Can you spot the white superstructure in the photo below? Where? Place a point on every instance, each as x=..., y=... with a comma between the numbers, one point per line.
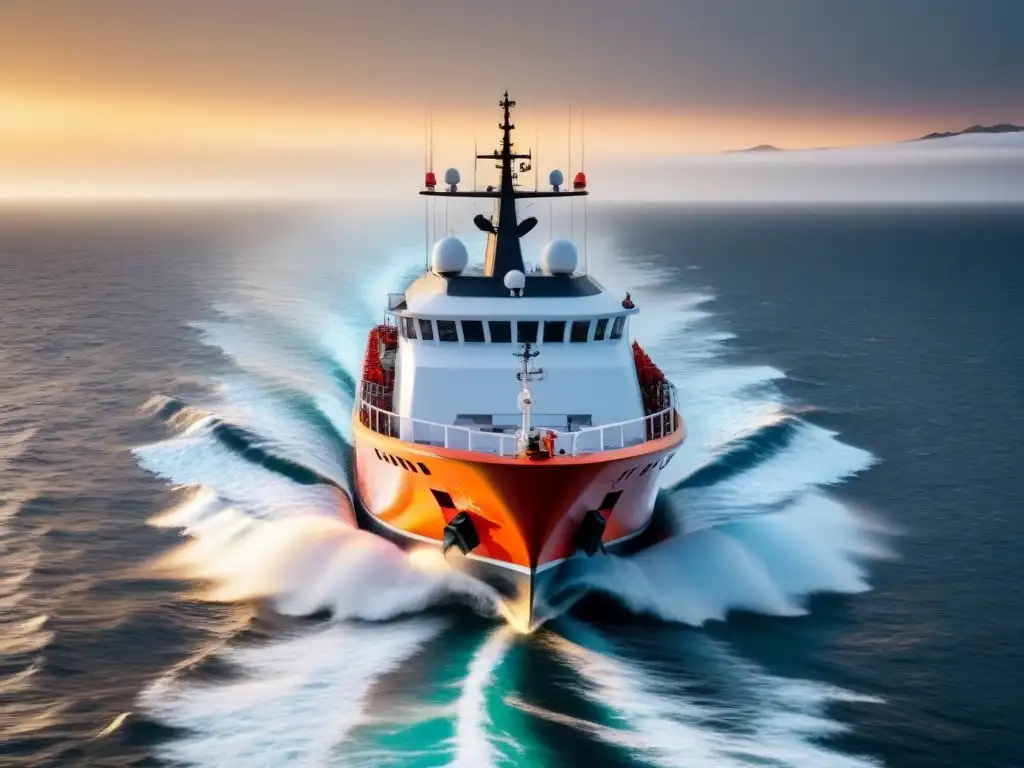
x=455, y=362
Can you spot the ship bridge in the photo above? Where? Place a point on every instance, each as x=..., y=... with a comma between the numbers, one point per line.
x=450, y=350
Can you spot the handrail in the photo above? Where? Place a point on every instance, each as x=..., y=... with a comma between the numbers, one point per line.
x=605, y=437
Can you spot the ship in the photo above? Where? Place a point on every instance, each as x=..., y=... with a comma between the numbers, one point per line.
x=504, y=416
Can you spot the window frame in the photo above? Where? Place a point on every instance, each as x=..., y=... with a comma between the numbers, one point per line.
x=465, y=336
x=601, y=329
x=454, y=328
x=490, y=331
x=618, y=328
x=536, y=331
x=550, y=323
x=428, y=324
x=409, y=324
x=586, y=331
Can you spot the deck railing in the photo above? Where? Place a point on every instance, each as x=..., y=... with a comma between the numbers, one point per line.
x=606, y=437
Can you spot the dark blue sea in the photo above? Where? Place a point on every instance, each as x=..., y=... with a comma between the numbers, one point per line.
x=845, y=587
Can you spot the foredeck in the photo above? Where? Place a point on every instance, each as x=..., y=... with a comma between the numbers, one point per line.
x=604, y=437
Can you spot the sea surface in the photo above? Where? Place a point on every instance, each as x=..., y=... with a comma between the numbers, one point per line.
x=177, y=588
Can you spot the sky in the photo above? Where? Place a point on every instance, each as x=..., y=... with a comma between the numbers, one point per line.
x=266, y=97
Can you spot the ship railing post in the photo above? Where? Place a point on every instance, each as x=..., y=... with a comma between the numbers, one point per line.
x=602, y=438
x=446, y=436
x=622, y=436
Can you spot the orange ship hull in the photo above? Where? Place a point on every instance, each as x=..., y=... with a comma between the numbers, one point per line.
x=526, y=512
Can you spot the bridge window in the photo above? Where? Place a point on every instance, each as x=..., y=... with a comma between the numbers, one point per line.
x=620, y=323
x=526, y=331
x=408, y=328
x=554, y=330
x=501, y=331
x=580, y=331
x=599, y=329
x=446, y=330
x=473, y=331
x=426, y=330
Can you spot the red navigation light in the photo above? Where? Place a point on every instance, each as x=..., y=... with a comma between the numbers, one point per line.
x=580, y=182
x=431, y=180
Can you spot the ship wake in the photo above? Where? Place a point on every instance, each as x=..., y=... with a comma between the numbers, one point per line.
x=263, y=458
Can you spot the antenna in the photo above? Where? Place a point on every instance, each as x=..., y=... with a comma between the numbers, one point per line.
x=536, y=158
x=426, y=208
x=430, y=156
x=568, y=170
x=475, y=159
x=583, y=168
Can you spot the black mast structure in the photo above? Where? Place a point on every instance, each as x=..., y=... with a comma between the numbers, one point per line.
x=504, y=252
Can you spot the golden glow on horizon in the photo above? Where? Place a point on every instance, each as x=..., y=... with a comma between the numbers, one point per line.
x=38, y=120
x=108, y=148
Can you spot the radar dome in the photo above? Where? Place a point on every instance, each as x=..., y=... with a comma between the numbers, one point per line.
x=450, y=256
x=451, y=177
x=559, y=258
x=555, y=178
x=515, y=280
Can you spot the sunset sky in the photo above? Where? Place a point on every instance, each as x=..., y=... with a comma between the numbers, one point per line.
x=256, y=97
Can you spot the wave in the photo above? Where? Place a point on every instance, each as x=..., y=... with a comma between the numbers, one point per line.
x=26, y=630
x=294, y=702
x=769, y=564
x=753, y=718
x=743, y=452
x=265, y=467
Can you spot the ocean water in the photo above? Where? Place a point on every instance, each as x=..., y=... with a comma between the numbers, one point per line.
x=178, y=586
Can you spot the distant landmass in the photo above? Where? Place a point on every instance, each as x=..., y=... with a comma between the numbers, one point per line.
x=974, y=129
x=758, y=148
x=1001, y=128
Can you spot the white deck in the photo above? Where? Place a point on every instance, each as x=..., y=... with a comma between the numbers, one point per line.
x=606, y=437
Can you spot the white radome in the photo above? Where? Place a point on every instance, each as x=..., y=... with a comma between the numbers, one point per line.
x=515, y=280
x=451, y=177
x=449, y=256
x=555, y=178
x=559, y=257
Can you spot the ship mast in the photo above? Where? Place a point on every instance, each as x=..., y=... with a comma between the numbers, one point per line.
x=526, y=375
x=504, y=252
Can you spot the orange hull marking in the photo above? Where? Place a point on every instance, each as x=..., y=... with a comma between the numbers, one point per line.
x=525, y=511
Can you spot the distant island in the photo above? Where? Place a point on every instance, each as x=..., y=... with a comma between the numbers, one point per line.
x=758, y=148
x=1001, y=128
x=974, y=129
